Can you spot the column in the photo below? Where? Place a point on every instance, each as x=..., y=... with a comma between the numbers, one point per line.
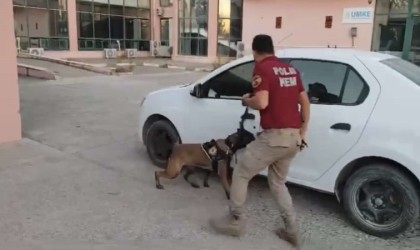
x=155, y=20
x=175, y=28
x=72, y=22
x=10, y=122
x=212, y=28
x=408, y=36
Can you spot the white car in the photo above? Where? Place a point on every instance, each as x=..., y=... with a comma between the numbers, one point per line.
x=364, y=133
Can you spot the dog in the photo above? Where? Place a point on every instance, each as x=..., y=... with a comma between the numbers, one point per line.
x=194, y=155
x=213, y=156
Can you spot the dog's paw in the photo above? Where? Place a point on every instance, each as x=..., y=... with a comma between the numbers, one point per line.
x=194, y=185
x=159, y=186
x=206, y=185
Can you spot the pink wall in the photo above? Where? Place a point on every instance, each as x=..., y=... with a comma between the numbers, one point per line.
x=10, y=123
x=72, y=22
x=304, y=21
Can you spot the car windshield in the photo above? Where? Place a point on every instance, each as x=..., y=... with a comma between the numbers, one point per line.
x=405, y=68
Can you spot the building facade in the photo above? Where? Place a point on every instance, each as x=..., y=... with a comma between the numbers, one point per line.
x=203, y=30
x=197, y=30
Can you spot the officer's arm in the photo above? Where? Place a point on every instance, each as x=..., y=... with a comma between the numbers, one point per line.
x=305, y=104
x=260, y=99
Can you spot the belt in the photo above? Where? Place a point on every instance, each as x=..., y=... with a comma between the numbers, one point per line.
x=278, y=129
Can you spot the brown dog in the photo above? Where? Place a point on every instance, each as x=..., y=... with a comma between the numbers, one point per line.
x=193, y=155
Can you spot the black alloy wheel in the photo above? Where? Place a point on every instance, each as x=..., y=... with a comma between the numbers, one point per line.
x=381, y=200
x=161, y=136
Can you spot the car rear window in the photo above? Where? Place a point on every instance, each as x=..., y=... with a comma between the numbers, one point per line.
x=405, y=68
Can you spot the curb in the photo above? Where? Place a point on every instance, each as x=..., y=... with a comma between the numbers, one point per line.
x=97, y=68
x=36, y=72
x=156, y=65
x=177, y=67
x=171, y=66
x=74, y=64
x=203, y=69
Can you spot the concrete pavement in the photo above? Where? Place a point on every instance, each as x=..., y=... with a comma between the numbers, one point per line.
x=80, y=182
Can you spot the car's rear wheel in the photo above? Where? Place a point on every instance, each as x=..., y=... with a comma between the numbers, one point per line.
x=381, y=200
x=161, y=136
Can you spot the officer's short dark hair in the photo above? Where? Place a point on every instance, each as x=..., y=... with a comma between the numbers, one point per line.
x=263, y=44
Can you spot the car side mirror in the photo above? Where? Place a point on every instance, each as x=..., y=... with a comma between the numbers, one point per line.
x=196, y=91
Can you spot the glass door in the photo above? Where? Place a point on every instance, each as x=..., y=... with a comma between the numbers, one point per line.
x=165, y=31
x=414, y=54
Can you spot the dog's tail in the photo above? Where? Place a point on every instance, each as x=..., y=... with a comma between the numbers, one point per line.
x=171, y=149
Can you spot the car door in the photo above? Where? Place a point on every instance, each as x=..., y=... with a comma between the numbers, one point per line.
x=218, y=112
x=341, y=103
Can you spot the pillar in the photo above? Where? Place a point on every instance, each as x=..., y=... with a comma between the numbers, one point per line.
x=10, y=121
x=72, y=23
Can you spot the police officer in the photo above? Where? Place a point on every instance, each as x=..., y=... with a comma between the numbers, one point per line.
x=278, y=91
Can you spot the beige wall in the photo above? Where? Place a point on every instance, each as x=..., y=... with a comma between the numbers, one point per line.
x=10, y=124
x=303, y=23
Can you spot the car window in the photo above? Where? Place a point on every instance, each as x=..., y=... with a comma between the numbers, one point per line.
x=355, y=89
x=234, y=82
x=331, y=82
x=405, y=68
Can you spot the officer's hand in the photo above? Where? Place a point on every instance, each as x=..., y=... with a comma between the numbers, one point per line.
x=244, y=98
x=303, y=143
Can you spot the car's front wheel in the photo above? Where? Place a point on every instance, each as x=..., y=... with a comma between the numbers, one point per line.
x=160, y=138
x=381, y=200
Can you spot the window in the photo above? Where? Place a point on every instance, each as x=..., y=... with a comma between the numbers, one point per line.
x=37, y=3
x=389, y=24
x=396, y=6
x=166, y=3
x=193, y=22
x=113, y=24
x=405, y=68
x=19, y=2
x=353, y=88
x=232, y=83
x=229, y=27
x=41, y=24
x=331, y=82
x=164, y=31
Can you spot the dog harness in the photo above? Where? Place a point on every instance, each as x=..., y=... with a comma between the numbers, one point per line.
x=243, y=138
x=215, y=153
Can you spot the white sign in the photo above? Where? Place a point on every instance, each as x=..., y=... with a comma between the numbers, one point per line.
x=358, y=15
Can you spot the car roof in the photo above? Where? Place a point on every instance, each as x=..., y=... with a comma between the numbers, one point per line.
x=328, y=53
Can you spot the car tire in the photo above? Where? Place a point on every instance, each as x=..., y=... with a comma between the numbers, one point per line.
x=368, y=205
x=160, y=138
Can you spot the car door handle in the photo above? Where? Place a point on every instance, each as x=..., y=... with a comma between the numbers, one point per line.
x=341, y=126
